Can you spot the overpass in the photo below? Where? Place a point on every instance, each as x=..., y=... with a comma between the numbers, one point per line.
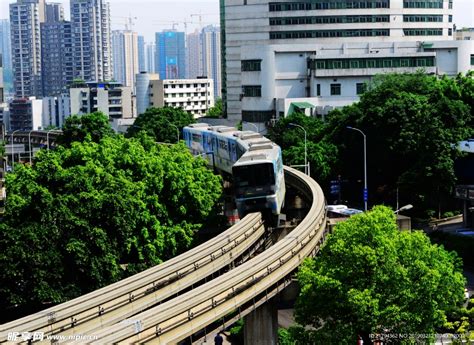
x=172, y=301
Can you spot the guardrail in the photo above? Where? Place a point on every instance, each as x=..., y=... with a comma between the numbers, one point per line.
x=134, y=294
x=177, y=319
x=36, y=137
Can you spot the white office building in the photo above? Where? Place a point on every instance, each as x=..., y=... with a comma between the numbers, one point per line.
x=317, y=55
x=195, y=96
x=112, y=99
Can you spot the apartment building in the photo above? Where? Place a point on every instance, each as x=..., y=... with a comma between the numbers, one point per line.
x=25, y=19
x=125, y=56
x=91, y=38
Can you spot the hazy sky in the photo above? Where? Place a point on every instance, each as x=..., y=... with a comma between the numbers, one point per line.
x=156, y=15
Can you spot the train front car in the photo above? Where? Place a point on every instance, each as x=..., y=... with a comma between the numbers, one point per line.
x=259, y=180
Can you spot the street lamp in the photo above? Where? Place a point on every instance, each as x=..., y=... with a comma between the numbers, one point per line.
x=306, y=167
x=29, y=144
x=13, y=147
x=47, y=137
x=366, y=193
x=404, y=208
x=252, y=124
x=177, y=129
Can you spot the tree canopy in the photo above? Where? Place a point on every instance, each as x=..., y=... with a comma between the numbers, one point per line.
x=87, y=215
x=321, y=153
x=94, y=126
x=217, y=110
x=371, y=278
x=162, y=124
x=413, y=123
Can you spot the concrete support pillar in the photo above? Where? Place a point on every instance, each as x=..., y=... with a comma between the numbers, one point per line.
x=261, y=326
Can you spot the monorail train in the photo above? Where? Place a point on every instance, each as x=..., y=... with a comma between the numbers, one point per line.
x=254, y=162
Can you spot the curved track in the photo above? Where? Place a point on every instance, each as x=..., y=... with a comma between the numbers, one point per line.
x=116, y=313
x=134, y=294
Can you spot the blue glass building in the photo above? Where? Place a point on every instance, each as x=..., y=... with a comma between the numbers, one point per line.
x=171, y=54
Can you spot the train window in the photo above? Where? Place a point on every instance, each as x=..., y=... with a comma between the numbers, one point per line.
x=196, y=138
x=255, y=175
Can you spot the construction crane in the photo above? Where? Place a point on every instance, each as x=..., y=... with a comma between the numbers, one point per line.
x=129, y=23
x=199, y=15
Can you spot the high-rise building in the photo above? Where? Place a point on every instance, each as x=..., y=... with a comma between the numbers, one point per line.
x=56, y=51
x=141, y=54
x=125, y=56
x=171, y=54
x=25, y=19
x=91, y=37
x=194, y=67
x=6, y=52
x=2, y=92
x=53, y=12
x=327, y=50
x=150, y=58
x=211, y=56
x=204, y=56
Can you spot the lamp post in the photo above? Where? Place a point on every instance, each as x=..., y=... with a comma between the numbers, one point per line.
x=404, y=208
x=177, y=129
x=252, y=124
x=47, y=137
x=13, y=147
x=306, y=167
x=29, y=144
x=366, y=193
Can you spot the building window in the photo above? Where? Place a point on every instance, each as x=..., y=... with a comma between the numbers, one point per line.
x=423, y=3
x=329, y=33
x=423, y=32
x=396, y=62
x=361, y=88
x=257, y=115
x=335, y=89
x=327, y=5
x=318, y=89
x=252, y=90
x=472, y=60
x=450, y=32
x=423, y=18
x=251, y=65
x=450, y=18
x=329, y=20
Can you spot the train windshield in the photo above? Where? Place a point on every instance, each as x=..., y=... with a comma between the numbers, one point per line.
x=254, y=178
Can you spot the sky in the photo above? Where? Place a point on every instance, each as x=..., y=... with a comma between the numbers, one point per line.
x=151, y=15
x=155, y=15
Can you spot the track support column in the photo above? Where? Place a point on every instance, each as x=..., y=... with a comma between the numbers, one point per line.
x=261, y=325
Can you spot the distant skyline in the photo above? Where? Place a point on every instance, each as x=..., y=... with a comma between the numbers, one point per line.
x=157, y=15
x=152, y=15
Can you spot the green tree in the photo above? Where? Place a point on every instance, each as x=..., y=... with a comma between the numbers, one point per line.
x=79, y=127
x=161, y=123
x=371, y=278
x=411, y=122
x=321, y=153
x=85, y=216
x=217, y=110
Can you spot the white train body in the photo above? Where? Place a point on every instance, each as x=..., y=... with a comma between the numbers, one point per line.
x=254, y=162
